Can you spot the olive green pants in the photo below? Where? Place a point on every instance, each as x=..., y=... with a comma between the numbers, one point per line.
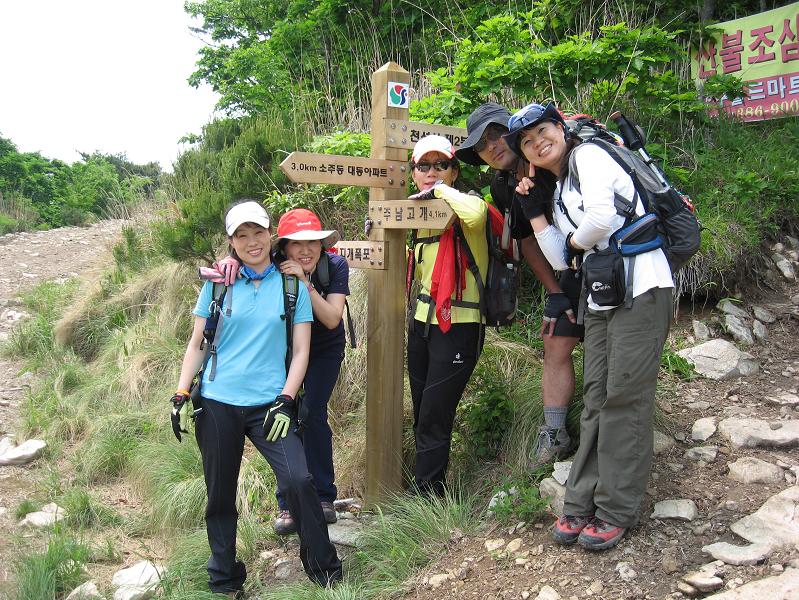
x=622, y=357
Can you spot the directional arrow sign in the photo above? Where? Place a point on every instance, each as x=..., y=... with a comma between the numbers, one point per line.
x=335, y=169
x=405, y=134
x=363, y=255
x=411, y=214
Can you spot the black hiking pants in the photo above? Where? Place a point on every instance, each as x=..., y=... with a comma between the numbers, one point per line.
x=439, y=367
x=220, y=431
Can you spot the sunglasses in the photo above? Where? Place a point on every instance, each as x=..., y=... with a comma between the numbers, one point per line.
x=439, y=165
x=520, y=120
x=490, y=135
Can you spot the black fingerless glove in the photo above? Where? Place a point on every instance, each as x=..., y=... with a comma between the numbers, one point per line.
x=180, y=414
x=574, y=256
x=536, y=203
x=556, y=304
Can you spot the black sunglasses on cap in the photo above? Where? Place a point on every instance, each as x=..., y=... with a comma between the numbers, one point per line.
x=439, y=165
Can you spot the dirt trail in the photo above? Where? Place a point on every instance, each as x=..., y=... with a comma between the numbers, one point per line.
x=651, y=561
x=28, y=259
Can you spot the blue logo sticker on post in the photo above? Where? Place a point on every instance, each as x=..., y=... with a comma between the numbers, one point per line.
x=398, y=94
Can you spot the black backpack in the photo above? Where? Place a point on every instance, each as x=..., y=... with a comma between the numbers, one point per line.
x=323, y=275
x=670, y=221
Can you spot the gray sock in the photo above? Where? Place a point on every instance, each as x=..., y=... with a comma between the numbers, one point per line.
x=555, y=417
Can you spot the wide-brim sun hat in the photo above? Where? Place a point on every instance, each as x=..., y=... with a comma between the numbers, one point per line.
x=246, y=212
x=528, y=116
x=432, y=143
x=303, y=224
x=484, y=115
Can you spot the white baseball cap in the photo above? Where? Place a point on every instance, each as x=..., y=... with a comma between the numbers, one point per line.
x=433, y=143
x=246, y=212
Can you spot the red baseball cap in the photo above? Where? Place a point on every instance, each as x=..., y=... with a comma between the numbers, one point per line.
x=303, y=224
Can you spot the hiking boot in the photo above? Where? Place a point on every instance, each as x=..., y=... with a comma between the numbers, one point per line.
x=568, y=528
x=553, y=444
x=284, y=524
x=330, y=512
x=599, y=535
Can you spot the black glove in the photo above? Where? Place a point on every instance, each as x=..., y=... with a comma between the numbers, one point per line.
x=278, y=418
x=574, y=256
x=556, y=304
x=533, y=204
x=180, y=414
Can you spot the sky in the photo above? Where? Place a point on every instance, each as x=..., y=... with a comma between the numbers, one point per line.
x=99, y=75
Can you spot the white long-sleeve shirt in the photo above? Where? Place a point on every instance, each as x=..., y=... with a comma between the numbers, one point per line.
x=593, y=212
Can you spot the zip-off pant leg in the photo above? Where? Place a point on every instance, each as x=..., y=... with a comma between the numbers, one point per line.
x=622, y=358
x=317, y=438
x=438, y=369
x=287, y=459
x=219, y=430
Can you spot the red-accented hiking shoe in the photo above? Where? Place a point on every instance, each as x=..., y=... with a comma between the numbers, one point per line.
x=600, y=535
x=284, y=524
x=567, y=529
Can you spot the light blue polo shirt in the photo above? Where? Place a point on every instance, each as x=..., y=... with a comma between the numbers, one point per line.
x=251, y=350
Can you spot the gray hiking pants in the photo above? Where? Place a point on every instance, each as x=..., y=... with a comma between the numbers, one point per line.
x=622, y=357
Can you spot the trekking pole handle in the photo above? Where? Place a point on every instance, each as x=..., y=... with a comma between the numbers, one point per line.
x=634, y=142
x=627, y=130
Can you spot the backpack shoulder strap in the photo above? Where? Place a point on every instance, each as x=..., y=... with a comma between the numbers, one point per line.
x=213, y=324
x=624, y=207
x=323, y=272
x=290, y=291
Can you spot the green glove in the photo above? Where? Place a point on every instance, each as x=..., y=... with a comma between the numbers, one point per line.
x=180, y=414
x=278, y=418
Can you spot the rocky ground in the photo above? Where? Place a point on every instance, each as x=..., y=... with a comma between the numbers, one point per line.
x=28, y=259
x=721, y=514
x=729, y=449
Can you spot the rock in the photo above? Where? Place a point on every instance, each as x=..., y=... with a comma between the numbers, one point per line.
x=684, y=510
x=494, y=544
x=87, y=591
x=26, y=452
x=596, y=587
x=556, y=492
x=547, y=593
x=705, y=453
x=698, y=405
x=284, y=569
x=703, y=429
x=776, y=523
x=751, y=433
x=626, y=572
x=47, y=516
x=561, y=471
x=670, y=563
x=764, y=315
x=686, y=589
x=738, y=555
x=782, y=587
x=783, y=264
x=436, y=580
x=784, y=399
x=738, y=330
x=759, y=331
x=704, y=582
x=701, y=331
x=792, y=242
x=137, y=582
x=345, y=532
x=720, y=359
x=662, y=442
x=513, y=546
x=6, y=443
x=753, y=470
x=728, y=307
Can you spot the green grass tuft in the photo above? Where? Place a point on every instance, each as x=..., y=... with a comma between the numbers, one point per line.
x=54, y=572
x=84, y=511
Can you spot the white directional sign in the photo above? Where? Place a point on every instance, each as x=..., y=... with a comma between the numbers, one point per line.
x=337, y=169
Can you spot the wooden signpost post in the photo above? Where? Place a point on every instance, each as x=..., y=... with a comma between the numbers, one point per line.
x=386, y=173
